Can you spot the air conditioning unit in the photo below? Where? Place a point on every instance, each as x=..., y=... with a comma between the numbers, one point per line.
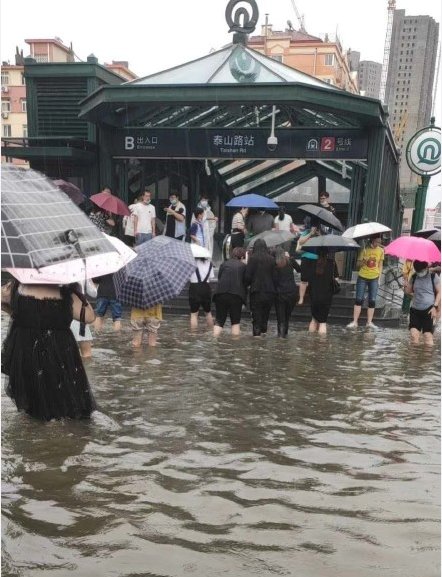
x=5, y=114
x=5, y=89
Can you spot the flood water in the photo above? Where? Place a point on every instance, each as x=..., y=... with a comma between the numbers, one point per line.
x=252, y=457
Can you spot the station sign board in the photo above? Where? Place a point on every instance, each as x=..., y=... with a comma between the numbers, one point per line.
x=323, y=144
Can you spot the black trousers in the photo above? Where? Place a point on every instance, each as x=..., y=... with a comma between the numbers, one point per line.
x=260, y=305
x=284, y=304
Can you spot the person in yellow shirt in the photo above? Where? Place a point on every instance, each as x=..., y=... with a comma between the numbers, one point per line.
x=370, y=262
x=148, y=320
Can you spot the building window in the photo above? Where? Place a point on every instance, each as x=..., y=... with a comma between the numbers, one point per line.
x=23, y=79
x=23, y=105
x=6, y=105
x=5, y=78
x=329, y=59
x=277, y=57
x=6, y=130
x=25, y=130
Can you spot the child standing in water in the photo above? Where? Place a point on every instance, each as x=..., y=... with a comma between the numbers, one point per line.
x=146, y=320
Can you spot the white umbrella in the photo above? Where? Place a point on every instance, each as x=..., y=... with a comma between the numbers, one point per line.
x=74, y=270
x=365, y=229
x=199, y=251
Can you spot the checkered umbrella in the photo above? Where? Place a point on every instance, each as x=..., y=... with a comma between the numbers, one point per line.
x=159, y=272
x=41, y=226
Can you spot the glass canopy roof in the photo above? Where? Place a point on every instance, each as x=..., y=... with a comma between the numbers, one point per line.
x=232, y=64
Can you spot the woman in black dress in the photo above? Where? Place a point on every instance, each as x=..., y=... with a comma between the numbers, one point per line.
x=321, y=291
x=45, y=376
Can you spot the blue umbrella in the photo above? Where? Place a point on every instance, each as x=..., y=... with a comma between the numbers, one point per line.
x=159, y=273
x=252, y=201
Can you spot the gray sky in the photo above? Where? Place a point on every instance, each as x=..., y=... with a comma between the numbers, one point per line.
x=155, y=35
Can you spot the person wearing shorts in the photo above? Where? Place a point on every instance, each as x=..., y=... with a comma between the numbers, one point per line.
x=424, y=288
x=145, y=321
x=107, y=299
x=200, y=293
x=230, y=294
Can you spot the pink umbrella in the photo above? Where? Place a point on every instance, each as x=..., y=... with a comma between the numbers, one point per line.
x=110, y=203
x=414, y=248
x=74, y=270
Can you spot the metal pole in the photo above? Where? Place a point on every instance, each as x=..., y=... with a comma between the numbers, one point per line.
x=419, y=205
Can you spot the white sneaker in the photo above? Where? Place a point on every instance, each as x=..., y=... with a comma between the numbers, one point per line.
x=372, y=326
x=352, y=325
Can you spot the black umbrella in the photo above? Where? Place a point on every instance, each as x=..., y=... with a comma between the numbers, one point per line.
x=323, y=215
x=71, y=190
x=330, y=242
x=427, y=233
x=272, y=237
x=41, y=226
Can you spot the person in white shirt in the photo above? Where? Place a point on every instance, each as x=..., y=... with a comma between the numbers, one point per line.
x=144, y=219
x=284, y=221
x=128, y=224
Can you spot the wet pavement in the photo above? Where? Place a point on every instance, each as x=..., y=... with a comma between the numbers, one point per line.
x=251, y=457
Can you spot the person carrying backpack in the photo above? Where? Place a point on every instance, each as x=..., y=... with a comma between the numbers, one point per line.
x=424, y=287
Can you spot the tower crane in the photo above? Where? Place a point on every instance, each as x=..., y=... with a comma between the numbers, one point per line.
x=391, y=8
x=299, y=17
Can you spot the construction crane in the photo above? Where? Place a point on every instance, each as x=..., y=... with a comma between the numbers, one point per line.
x=299, y=17
x=391, y=8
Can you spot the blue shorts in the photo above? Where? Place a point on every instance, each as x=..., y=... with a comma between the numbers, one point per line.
x=142, y=237
x=115, y=307
x=372, y=285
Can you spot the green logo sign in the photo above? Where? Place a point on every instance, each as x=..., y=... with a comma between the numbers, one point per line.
x=424, y=152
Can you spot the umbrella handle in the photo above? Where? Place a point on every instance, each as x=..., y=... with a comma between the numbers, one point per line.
x=72, y=238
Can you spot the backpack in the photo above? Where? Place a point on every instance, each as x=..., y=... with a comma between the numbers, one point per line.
x=413, y=278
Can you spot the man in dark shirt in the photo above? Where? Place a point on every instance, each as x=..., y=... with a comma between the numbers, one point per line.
x=175, y=226
x=259, y=222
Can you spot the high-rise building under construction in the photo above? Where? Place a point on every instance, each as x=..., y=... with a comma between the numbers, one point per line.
x=410, y=80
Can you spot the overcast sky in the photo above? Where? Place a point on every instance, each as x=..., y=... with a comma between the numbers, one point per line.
x=157, y=34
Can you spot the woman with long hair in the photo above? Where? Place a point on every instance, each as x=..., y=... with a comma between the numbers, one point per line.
x=286, y=289
x=261, y=278
x=322, y=283
x=308, y=259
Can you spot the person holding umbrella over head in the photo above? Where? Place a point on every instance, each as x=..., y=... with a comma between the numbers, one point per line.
x=308, y=259
x=322, y=282
x=370, y=262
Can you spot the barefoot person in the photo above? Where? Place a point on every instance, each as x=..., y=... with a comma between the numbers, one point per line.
x=145, y=321
x=45, y=376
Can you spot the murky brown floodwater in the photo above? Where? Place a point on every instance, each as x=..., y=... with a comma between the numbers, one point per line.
x=310, y=457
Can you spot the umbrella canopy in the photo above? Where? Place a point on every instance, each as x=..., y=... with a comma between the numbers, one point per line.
x=78, y=269
x=41, y=226
x=110, y=203
x=323, y=215
x=435, y=237
x=414, y=248
x=365, y=229
x=71, y=190
x=428, y=233
x=272, y=237
x=252, y=201
x=160, y=271
x=330, y=242
x=199, y=251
